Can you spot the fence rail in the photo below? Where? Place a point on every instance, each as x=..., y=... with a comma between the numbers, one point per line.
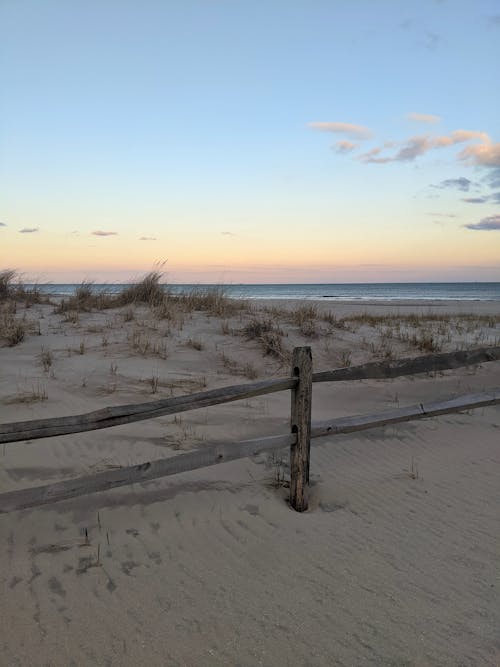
x=302, y=430
x=126, y=414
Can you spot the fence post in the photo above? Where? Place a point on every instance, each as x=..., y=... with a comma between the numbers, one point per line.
x=301, y=425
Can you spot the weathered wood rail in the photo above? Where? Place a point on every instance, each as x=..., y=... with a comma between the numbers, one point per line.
x=298, y=439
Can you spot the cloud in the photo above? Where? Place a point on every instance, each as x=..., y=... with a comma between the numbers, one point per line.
x=485, y=153
x=494, y=20
x=2, y=224
x=349, y=129
x=148, y=238
x=424, y=117
x=488, y=224
x=228, y=234
x=28, y=230
x=344, y=146
x=475, y=200
x=443, y=215
x=432, y=40
x=493, y=178
x=495, y=197
x=460, y=183
x=99, y=232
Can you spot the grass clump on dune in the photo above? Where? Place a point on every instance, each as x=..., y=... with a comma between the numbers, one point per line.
x=12, y=289
x=148, y=291
x=269, y=336
x=212, y=300
x=85, y=299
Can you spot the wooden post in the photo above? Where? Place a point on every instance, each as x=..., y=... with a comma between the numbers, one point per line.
x=301, y=425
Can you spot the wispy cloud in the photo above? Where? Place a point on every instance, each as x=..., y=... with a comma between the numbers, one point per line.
x=475, y=200
x=494, y=20
x=493, y=178
x=99, y=232
x=432, y=40
x=349, y=129
x=484, y=153
x=491, y=223
x=28, y=230
x=424, y=117
x=460, y=183
x=495, y=197
x=2, y=224
x=442, y=215
x=344, y=146
x=228, y=234
x=148, y=238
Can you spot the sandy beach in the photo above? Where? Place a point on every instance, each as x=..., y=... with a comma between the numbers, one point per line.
x=395, y=562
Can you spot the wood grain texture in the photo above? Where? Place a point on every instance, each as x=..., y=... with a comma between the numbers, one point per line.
x=125, y=414
x=300, y=422
x=143, y=472
x=421, y=411
x=430, y=363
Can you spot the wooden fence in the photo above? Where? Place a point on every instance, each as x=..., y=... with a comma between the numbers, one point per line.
x=298, y=439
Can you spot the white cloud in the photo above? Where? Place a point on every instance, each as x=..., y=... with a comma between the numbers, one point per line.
x=424, y=117
x=349, y=129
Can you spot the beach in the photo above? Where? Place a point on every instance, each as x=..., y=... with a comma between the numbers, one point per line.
x=395, y=562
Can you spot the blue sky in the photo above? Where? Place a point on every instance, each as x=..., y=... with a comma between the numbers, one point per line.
x=265, y=141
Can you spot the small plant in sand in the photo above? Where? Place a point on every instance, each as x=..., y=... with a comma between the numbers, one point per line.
x=413, y=469
x=46, y=359
x=129, y=315
x=279, y=469
x=12, y=330
x=38, y=392
x=269, y=336
x=195, y=343
x=71, y=316
x=304, y=315
x=154, y=382
x=225, y=329
x=345, y=359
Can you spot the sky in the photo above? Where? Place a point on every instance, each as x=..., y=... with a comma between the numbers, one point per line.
x=270, y=141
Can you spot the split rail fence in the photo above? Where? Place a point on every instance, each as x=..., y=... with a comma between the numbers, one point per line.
x=298, y=439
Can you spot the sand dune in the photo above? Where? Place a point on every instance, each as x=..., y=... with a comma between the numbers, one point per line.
x=395, y=563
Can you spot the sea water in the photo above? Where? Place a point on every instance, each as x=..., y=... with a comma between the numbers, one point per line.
x=478, y=291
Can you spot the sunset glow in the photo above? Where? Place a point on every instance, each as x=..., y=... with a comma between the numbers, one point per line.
x=240, y=142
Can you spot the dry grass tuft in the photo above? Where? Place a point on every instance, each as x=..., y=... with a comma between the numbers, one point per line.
x=212, y=300
x=12, y=330
x=269, y=336
x=148, y=291
x=12, y=289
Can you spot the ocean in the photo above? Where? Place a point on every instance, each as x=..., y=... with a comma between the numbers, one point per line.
x=325, y=292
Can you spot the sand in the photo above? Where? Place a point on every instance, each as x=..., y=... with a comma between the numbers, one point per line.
x=395, y=563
